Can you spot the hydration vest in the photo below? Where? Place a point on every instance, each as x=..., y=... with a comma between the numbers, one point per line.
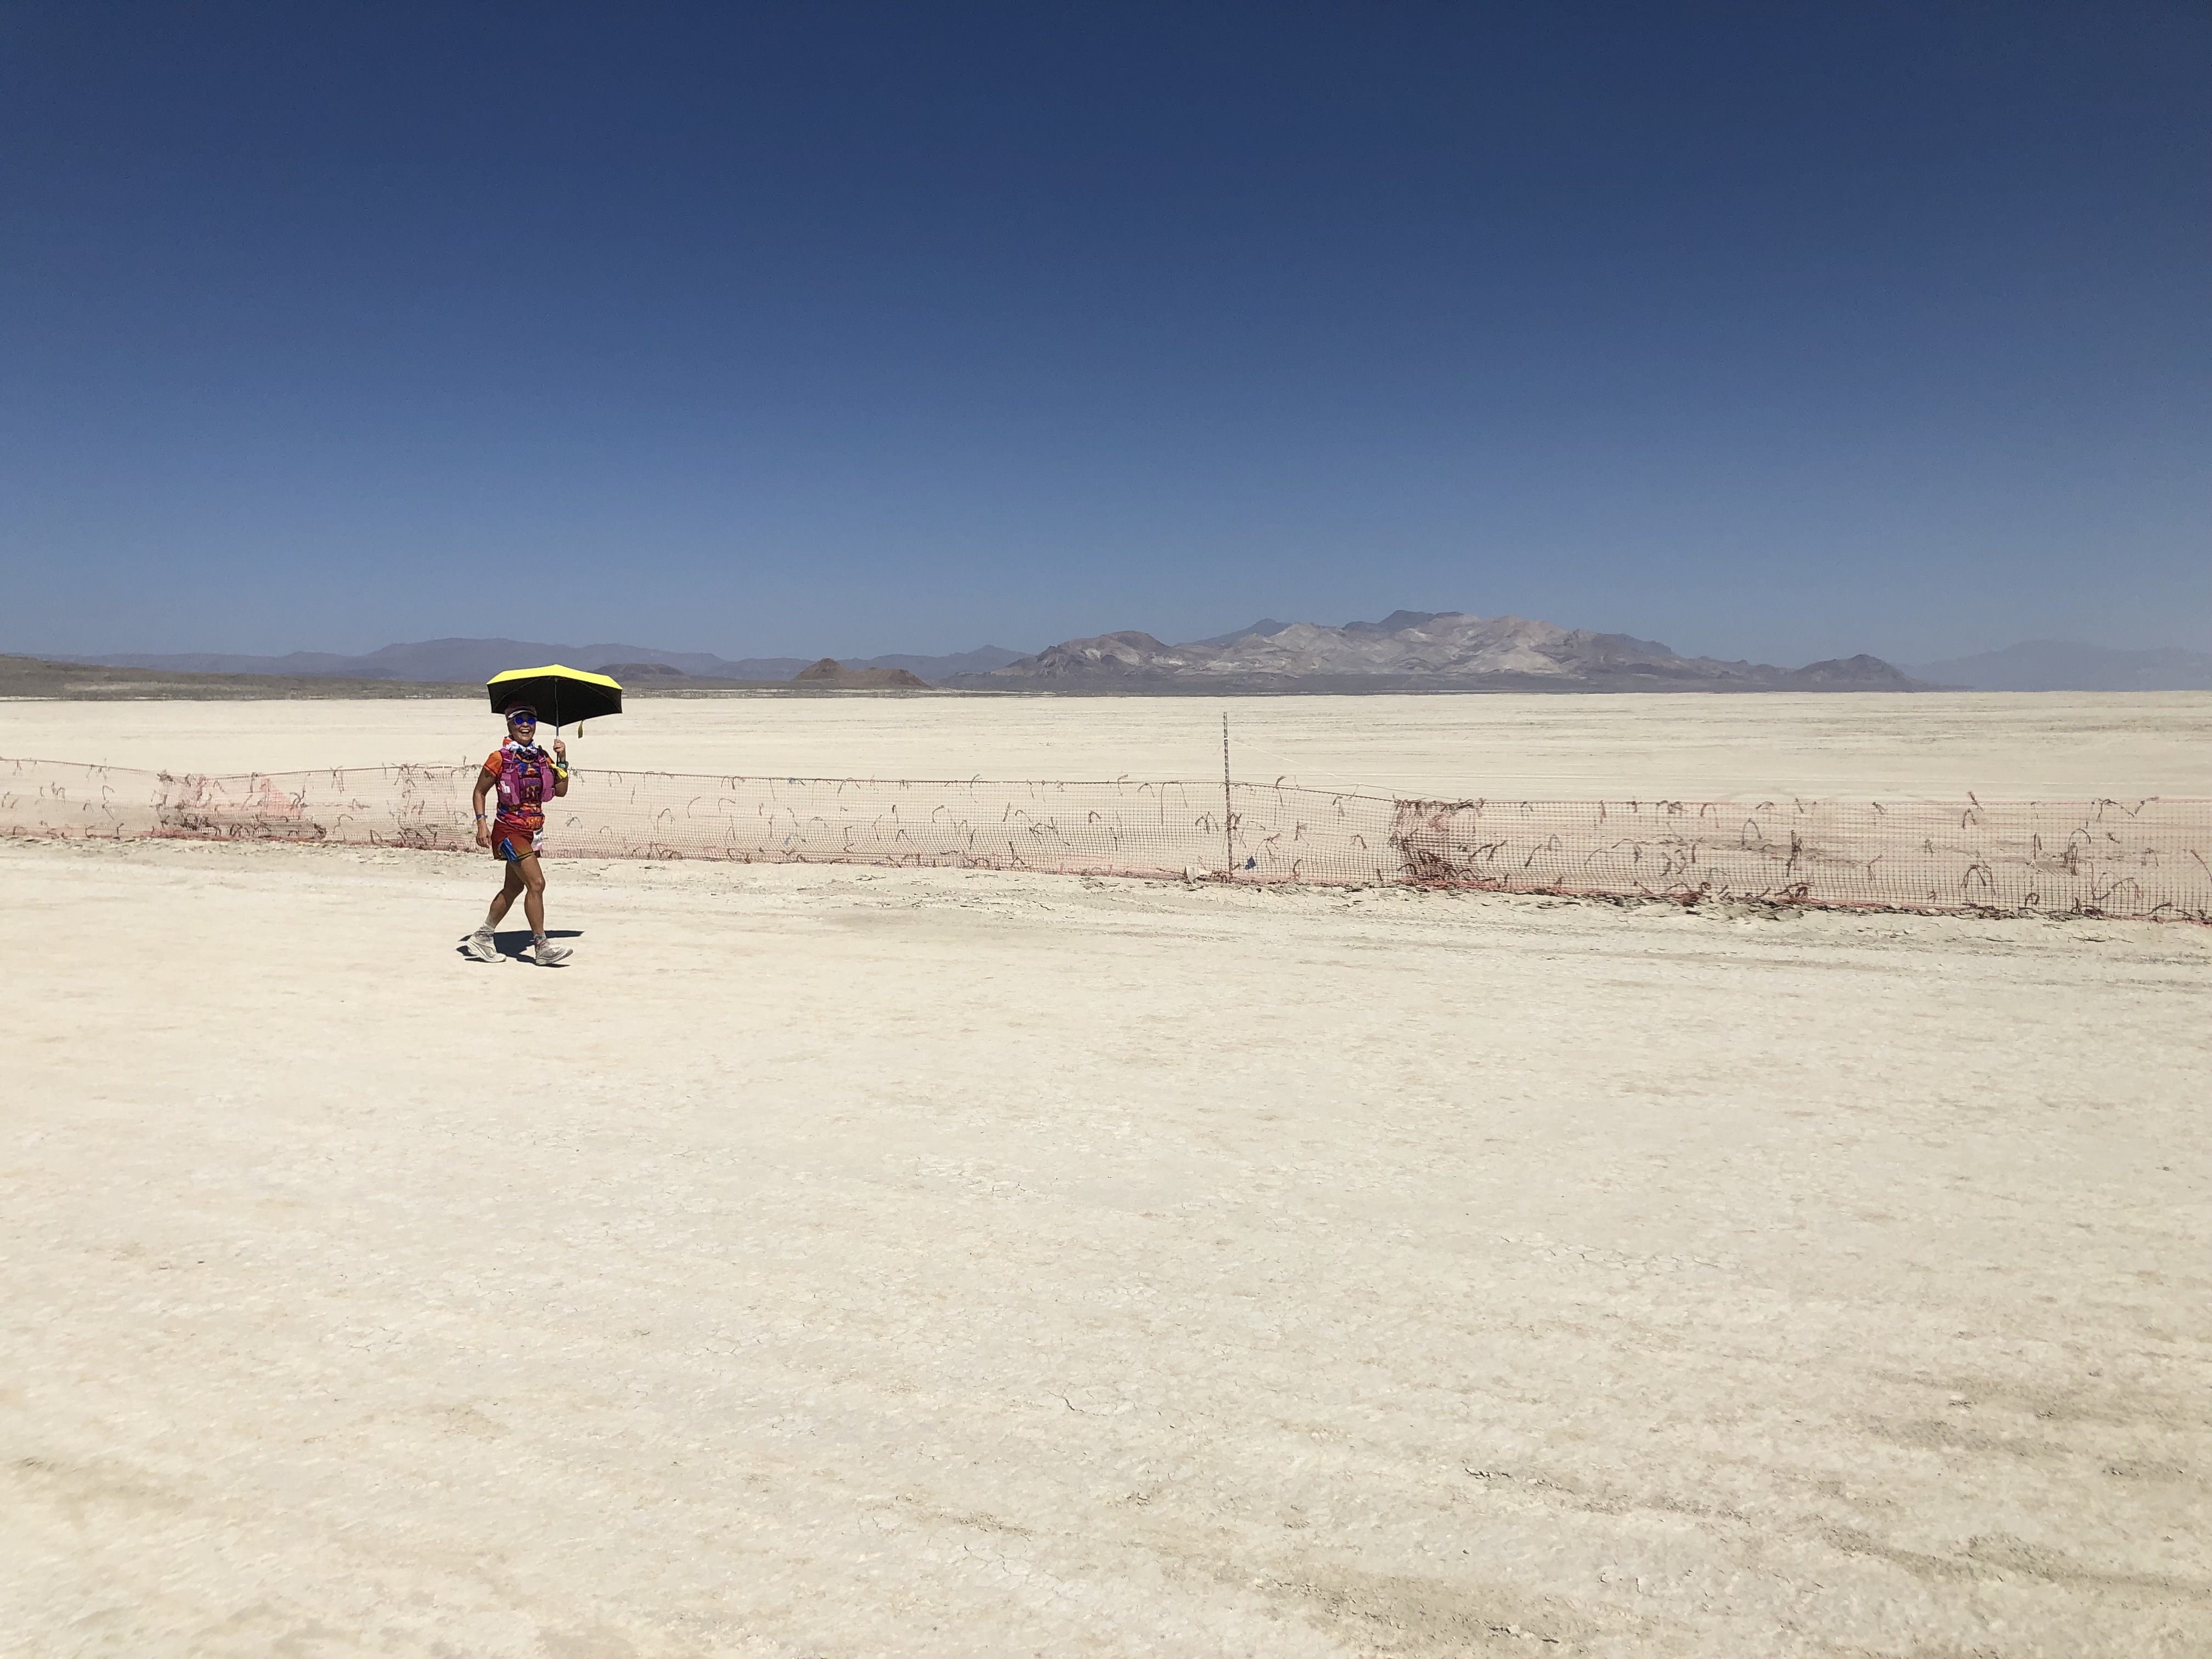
x=526, y=777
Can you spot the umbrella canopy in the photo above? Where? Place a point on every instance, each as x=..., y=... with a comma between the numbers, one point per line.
x=561, y=695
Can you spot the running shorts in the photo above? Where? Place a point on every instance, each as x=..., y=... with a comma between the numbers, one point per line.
x=512, y=842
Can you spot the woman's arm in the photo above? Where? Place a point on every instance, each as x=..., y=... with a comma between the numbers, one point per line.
x=560, y=767
x=487, y=780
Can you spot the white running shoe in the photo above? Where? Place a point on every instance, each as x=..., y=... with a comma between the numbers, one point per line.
x=481, y=945
x=548, y=954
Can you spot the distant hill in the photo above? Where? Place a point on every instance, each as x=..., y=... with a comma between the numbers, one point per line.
x=1414, y=651
x=2069, y=666
x=829, y=674
x=462, y=660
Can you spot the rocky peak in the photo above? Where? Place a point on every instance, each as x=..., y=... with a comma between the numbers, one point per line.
x=1413, y=650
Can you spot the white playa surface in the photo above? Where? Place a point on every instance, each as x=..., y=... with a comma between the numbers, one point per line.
x=845, y=1262
x=2047, y=747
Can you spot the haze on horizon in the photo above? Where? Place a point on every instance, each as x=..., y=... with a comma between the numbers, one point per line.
x=1771, y=333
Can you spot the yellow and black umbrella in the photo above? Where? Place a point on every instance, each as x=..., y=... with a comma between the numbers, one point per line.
x=562, y=695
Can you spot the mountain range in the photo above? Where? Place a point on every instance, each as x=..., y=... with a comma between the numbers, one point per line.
x=1412, y=651
x=1407, y=650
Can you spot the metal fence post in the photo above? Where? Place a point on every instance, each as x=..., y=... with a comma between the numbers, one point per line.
x=1228, y=809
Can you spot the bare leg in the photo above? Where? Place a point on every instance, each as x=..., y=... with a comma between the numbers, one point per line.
x=504, y=900
x=533, y=892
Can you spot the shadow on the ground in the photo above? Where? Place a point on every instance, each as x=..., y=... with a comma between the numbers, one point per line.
x=514, y=942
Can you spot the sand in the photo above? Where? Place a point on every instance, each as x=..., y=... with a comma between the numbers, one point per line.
x=1931, y=746
x=848, y=1263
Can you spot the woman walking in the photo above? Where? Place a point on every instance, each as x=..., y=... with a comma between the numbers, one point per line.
x=526, y=778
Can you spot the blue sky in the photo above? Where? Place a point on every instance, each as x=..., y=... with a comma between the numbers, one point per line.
x=1775, y=331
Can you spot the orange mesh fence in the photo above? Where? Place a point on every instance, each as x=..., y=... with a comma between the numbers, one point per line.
x=2146, y=859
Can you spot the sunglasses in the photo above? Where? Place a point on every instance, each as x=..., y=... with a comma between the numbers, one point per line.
x=522, y=720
